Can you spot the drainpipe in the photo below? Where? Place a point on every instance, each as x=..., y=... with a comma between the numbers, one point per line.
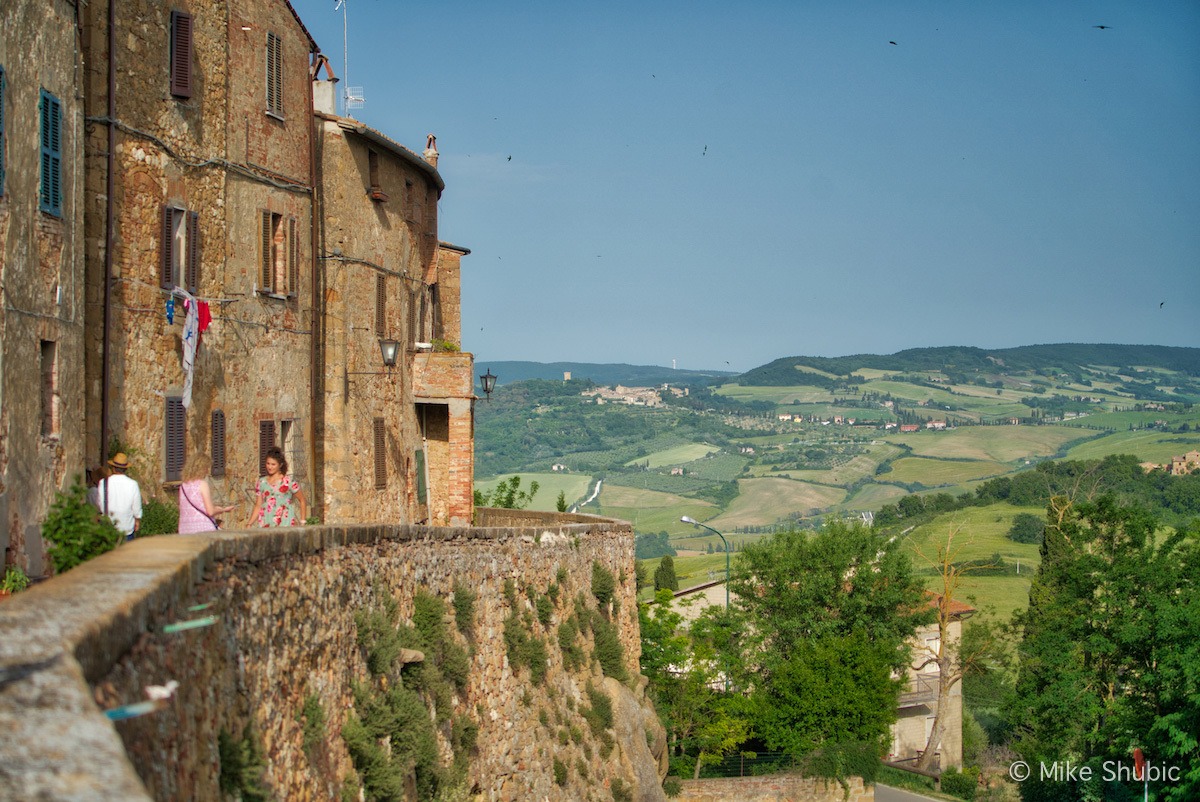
x=316, y=447
x=108, y=231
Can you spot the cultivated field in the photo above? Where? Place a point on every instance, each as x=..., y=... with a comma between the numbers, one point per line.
x=576, y=486
x=939, y=472
x=648, y=510
x=997, y=443
x=675, y=456
x=764, y=501
x=1151, y=445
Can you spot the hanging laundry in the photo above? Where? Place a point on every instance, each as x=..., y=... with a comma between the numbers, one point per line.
x=171, y=310
x=191, y=340
x=204, y=316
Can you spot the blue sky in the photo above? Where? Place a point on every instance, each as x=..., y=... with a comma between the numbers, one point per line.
x=719, y=183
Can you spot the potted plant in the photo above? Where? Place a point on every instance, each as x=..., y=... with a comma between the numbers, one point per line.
x=13, y=582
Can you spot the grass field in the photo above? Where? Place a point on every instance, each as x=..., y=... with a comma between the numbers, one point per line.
x=763, y=501
x=675, y=456
x=850, y=469
x=873, y=496
x=937, y=472
x=998, y=443
x=576, y=486
x=777, y=395
x=648, y=510
x=1152, y=445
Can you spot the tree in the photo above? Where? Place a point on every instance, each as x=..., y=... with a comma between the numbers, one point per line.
x=1109, y=658
x=954, y=659
x=561, y=503
x=1026, y=528
x=664, y=575
x=826, y=620
x=507, y=495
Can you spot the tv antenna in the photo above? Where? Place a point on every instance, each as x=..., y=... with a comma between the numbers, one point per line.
x=353, y=97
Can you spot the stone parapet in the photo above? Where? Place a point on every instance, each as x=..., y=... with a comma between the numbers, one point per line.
x=775, y=788
x=442, y=374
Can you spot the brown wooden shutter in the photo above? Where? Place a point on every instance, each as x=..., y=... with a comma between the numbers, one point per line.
x=414, y=335
x=380, y=305
x=268, y=239
x=181, y=54
x=176, y=446
x=193, y=251
x=274, y=74
x=218, y=442
x=166, y=258
x=293, y=260
x=380, y=454
x=266, y=441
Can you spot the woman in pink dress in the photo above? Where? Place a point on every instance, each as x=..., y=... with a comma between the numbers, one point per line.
x=280, y=501
x=197, y=512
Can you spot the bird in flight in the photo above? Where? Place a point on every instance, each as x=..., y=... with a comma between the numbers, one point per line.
x=510, y=158
x=1161, y=305
x=1102, y=27
x=705, y=151
x=890, y=42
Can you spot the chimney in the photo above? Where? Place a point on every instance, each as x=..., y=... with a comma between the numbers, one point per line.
x=325, y=96
x=431, y=151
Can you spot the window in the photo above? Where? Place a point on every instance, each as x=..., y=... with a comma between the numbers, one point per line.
x=181, y=54
x=179, y=254
x=380, y=438
x=280, y=255
x=274, y=75
x=218, y=442
x=51, y=401
x=50, y=199
x=2, y=88
x=422, y=484
x=176, y=446
x=266, y=441
x=380, y=305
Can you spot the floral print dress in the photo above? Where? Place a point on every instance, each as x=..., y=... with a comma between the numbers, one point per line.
x=277, y=505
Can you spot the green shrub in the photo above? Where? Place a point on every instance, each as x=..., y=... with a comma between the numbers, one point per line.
x=599, y=715
x=560, y=772
x=604, y=585
x=14, y=580
x=672, y=787
x=158, y=518
x=464, y=609
x=77, y=531
x=581, y=767
x=609, y=651
x=312, y=717
x=837, y=761
x=545, y=610
x=241, y=766
x=962, y=784
x=620, y=791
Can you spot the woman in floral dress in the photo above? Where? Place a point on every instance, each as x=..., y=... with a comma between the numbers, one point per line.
x=280, y=501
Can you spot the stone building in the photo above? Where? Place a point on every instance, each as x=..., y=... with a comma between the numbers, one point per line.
x=202, y=180
x=397, y=442
x=191, y=172
x=41, y=269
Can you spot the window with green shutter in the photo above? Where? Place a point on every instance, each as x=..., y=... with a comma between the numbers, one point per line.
x=50, y=196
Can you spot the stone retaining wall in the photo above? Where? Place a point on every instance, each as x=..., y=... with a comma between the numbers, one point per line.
x=284, y=601
x=775, y=788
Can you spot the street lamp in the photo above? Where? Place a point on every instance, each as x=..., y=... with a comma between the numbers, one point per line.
x=488, y=382
x=688, y=520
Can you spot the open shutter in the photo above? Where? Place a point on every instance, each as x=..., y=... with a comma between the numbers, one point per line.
x=268, y=238
x=266, y=441
x=181, y=54
x=293, y=262
x=193, y=251
x=166, y=278
x=175, y=440
x=380, y=437
x=218, y=442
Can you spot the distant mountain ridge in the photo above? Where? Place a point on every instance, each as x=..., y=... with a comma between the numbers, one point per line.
x=963, y=359
x=615, y=373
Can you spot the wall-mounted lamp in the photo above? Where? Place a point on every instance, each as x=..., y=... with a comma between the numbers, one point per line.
x=388, y=349
x=489, y=383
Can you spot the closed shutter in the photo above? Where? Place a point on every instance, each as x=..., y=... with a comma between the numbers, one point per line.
x=414, y=333
x=166, y=259
x=193, y=251
x=2, y=91
x=50, y=195
x=218, y=442
x=380, y=305
x=266, y=441
x=293, y=260
x=380, y=454
x=175, y=440
x=274, y=75
x=268, y=238
x=181, y=54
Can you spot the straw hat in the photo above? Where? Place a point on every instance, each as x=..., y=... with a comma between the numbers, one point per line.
x=119, y=461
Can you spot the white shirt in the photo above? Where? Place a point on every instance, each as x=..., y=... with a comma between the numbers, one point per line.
x=124, y=501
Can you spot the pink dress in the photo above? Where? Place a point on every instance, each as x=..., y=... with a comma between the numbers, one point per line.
x=193, y=518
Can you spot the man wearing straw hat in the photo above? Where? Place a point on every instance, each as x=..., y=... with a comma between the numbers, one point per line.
x=120, y=497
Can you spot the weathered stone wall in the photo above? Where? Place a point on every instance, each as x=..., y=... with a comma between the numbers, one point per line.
x=41, y=273
x=285, y=602
x=775, y=788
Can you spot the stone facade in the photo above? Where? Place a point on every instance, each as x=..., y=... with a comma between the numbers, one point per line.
x=221, y=158
x=284, y=603
x=41, y=272
x=397, y=442
x=775, y=788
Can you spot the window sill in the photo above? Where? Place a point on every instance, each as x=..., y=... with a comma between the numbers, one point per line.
x=275, y=296
x=275, y=116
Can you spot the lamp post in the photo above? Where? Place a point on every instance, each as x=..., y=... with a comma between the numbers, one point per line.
x=694, y=522
x=388, y=350
x=488, y=381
